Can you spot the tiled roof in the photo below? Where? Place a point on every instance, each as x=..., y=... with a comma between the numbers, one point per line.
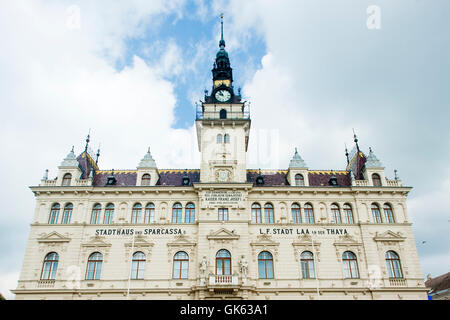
x=439, y=283
x=174, y=177
x=86, y=163
x=322, y=178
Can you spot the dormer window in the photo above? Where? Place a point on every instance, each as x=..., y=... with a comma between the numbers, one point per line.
x=66, y=179
x=299, y=180
x=376, y=180
x=145, y=181
x=186, y=180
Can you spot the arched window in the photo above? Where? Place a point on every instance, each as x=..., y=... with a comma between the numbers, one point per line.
x=336, y=213
x=223, y=262
x=307, y=262
x=109, y=214
x=146, y=179
x=256, y=213
x=180, y=265
x=388, y=214
x=265, y=265
x=309, y=213
x=223, y=214
x=299, y=180
x=296, y=213
x=223, y=114
x=177, y=213
x=376, y=180
x=50, y=266
x=136, y=213
x=190, y=213
x=138, y=266
x=393, y=265
x=149, y=216
x=348, y=214
x=66, y=179
x=219, y=138
x=96, y=211
x=67, y=214
x=226, y=138
x=54, y=213
x=94, y=267
x=268, y=213
x=376, y=213
x=350, y=265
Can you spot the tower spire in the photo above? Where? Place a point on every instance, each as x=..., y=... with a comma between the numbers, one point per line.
x=221, y=42
x=356, y=140
x=87, y=140
x=346, y=153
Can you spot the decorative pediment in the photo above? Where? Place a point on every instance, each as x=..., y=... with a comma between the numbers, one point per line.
x=347, y=240
x=304, y=242
x=96, y=242
x=389, y=236
x=264, y=242
x=181, y=242
x=52, y=237
x=139, y=242
x=223, y=234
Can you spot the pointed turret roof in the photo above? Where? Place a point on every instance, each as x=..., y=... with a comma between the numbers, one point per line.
x=147, y=161
x=297, y=161
x=372, y=161
x=70, y=160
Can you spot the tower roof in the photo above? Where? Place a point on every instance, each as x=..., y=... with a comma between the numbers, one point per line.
x=70, y=160
x=147, y=161
x=372, y=160
x=297, y=161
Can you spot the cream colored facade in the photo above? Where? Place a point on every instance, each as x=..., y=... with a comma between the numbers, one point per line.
x=224, y=182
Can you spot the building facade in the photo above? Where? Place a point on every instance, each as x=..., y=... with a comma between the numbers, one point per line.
x=222, y=231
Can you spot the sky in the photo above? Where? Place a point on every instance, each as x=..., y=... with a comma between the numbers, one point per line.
x=131, y=73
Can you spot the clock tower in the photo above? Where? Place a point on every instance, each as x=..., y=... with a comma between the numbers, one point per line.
x=223, y=126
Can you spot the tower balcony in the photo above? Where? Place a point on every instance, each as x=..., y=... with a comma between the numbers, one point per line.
x=223, y=112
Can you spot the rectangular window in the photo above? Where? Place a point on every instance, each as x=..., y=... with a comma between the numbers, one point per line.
x=223, y=214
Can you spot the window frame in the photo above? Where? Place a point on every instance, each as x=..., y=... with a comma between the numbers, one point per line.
x=177, y=212
x=306, y=262
x=265, y=261
x=376, y=180
x=67, y=213
x=348, y=214
x=299, y=180
x=51, y=258
x=146, y=179
x=388, y=213
x=296, y=213
x=350, y=265
x=97, y=263
x=136, y=213
x=222, y=214
x=66, y=180
x=269, y=215
x=393, y=264
x=149, y=214
x=138, y=262
x=54, y=213
x=224, y=257
x=189, y=213
x=109, y=214
x=96, y=213
x=183, y=262
x=256, y=213
x=376, y=213
x=308, y=209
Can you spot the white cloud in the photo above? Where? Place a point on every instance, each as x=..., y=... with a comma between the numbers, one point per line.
x=8, y=281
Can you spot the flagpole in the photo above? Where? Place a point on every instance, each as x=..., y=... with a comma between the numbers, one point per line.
x=131, y=266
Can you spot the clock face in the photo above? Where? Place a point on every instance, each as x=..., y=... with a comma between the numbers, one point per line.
x=223, y=95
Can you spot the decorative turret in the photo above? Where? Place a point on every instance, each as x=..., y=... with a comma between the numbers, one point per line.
x=70, y=160
x=147, y=172
x=372, y=161
x=69, y=170
x=298, y=171
x=297, y=161
x=374, y=170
